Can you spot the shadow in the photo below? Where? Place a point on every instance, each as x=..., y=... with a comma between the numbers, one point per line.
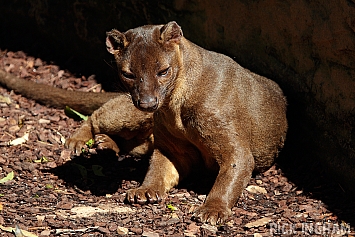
x=302, y=162
x=200, y=181
x=101, y=173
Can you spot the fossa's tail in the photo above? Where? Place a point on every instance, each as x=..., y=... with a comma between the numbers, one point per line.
x=83, y=102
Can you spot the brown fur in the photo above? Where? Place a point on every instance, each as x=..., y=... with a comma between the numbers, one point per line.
x=207, y=110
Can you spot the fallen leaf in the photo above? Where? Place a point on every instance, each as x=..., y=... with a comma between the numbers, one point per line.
x=261, y=222
x=122, y=230
x=171, y=207
x=90, y=143
x=256, y=189
x=11, y=229
x=5, y=99
x=17, y=231
x=20, y=140
x=43, y=159
x=62, y=138
x=7, y=229
x=86, y=211
x=49, y=186
x=1, y=206
x=74, y=114
x=9, y=176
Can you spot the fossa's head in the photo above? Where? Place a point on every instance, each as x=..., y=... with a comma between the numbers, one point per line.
x=148, y=60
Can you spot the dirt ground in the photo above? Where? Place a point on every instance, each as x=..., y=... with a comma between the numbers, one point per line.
x=54, y=193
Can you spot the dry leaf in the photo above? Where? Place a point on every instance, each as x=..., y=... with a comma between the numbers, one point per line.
x=11, y=229
x=122, y=230
x=20, y=140
x=85, y=211
x=5, y=99
x=9, y=176
x=18, y=232
x=62, y=138
x=256, y=189
x=257, y=223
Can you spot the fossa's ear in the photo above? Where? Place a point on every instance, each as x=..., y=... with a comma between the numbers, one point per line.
x=115, y=41
x=171, y=33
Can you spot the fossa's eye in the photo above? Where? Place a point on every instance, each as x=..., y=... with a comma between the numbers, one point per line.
x=128, y=75
x=163, y=72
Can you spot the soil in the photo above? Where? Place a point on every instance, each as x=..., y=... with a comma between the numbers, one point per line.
x=54, y=193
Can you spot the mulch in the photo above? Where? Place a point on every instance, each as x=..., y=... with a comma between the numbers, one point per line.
x=54, y=193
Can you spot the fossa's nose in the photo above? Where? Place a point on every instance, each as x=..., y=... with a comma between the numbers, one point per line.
x=148, y=103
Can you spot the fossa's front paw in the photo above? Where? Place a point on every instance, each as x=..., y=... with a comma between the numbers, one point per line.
x=211, y=213
x=143, y=196
x=76, y=144
x=104, y=142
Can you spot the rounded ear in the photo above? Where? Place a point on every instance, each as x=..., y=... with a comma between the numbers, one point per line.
x=115, y=41
x=171, y=32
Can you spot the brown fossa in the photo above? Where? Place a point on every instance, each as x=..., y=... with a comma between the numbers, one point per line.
x=207, y=110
